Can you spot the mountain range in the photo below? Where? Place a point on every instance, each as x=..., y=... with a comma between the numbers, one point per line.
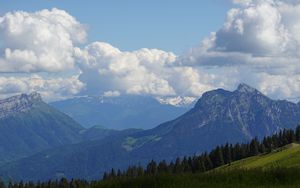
x=28, y=125
x=218, y=117
x=123, y=112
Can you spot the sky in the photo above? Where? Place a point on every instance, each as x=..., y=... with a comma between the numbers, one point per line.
x=169, y=25
x=162, y=49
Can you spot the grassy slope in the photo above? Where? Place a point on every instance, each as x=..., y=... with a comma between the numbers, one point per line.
x=277, y=169
x=286, y=157
x=254, y=178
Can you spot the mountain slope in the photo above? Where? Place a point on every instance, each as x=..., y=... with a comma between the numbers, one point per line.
x=218, y=117
x=279, y=168
x=285, y=157
x=28, y=125
x=127, y=111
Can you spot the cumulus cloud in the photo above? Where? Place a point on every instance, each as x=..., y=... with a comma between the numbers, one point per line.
x=258, y=44
x=51, y=88
x=143, y=72
x=39, y=45
x=263, y=28
x=42, y=41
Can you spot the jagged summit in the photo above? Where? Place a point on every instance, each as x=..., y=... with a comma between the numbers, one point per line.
x=18, y=103
x=244, y=88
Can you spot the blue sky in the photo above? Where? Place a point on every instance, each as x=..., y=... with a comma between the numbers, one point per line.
x=170, y=25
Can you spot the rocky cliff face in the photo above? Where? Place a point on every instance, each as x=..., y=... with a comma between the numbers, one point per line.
x=16, y=104
x=218, y=117
x=254, y=113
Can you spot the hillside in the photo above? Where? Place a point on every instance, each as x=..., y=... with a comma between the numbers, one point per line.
x=28, y=125
x=255, y=178
x=280, y=168
x=285, y=157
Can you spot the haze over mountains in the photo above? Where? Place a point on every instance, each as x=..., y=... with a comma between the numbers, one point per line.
x=28, y=125
x=218, y=117
x=121, y=112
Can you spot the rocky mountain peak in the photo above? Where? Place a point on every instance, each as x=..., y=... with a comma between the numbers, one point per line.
x=18, y=103
x=244, y=88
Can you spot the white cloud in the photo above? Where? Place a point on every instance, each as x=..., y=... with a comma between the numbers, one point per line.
x=280, y=86
x=38, y=42
x=258, y=44
x=142, y=72
x=51, y=88
x=263, y=33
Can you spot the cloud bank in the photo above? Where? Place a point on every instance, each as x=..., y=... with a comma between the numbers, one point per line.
x=258, y=44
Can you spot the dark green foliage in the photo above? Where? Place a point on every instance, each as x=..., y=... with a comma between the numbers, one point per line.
x=297, y=133
x=195, y=171
x=62, y=183
x=217, y=157
x=274, y=177
x=281, y=178
x=254, y=145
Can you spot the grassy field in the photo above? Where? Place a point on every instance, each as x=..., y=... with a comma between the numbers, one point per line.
x=254, y=178
x=279, y=169
x=286, y=157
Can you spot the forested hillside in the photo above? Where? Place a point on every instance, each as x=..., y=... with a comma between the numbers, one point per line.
x=271, y=162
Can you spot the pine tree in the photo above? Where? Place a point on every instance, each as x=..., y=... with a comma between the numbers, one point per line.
x=227, y=154
x=298, y=133
x=119, y=173
x=177, y=166
x=63, y=183
x=217, y=157
x=112, y=173
x=152, y=168
x=207, y=161
x=162, y=167
x=140, y=171
x=105, y=176
x=254, y=147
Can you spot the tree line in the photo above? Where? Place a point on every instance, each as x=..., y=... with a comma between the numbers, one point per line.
x=220, y=155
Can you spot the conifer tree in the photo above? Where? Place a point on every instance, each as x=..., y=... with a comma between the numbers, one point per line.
x=254, y=147
x=298, y=133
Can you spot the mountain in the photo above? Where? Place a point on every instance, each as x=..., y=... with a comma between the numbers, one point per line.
x=122, y=112
x=28, y=125
x=219, y=116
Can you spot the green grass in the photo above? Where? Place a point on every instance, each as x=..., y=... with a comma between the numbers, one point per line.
x=254, y=178
x=278, y=169
x=286, y=157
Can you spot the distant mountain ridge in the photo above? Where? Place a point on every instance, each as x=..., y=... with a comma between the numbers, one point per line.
x=29, y=125
x=218, y=117
x=122, y=112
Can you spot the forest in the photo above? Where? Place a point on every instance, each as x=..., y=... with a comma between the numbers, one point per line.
x=194, y=171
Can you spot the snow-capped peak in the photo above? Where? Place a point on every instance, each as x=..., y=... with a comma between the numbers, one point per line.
x=176, y=101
